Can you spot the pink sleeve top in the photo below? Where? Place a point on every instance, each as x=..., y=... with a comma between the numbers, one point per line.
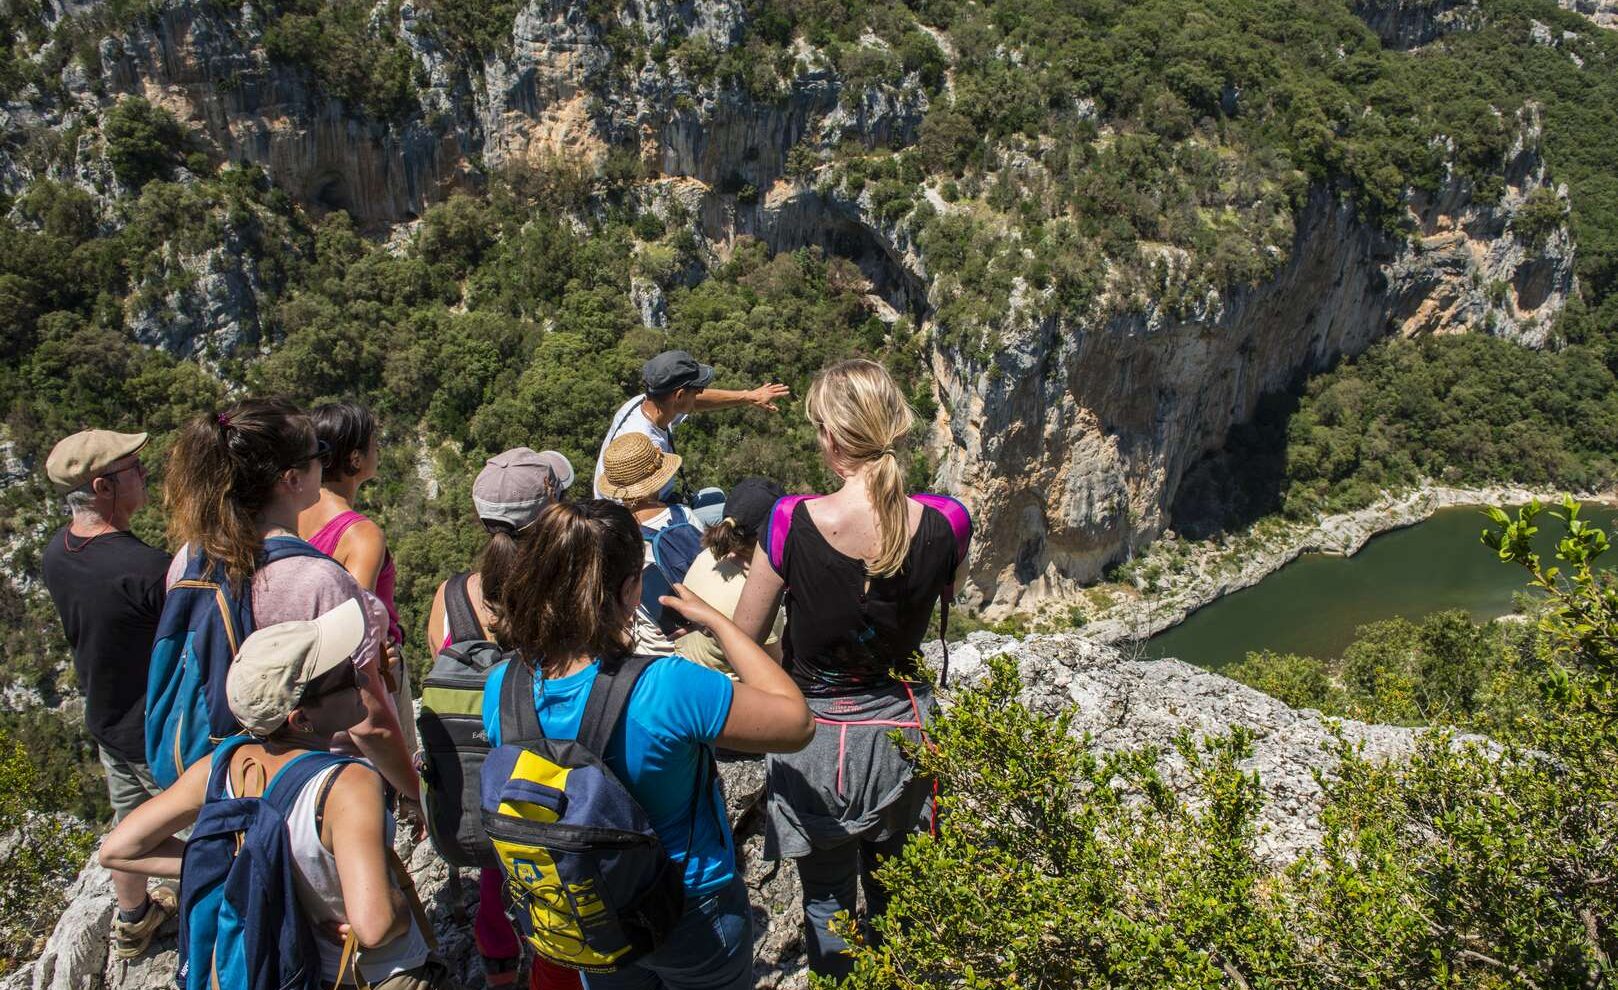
x=326, y=542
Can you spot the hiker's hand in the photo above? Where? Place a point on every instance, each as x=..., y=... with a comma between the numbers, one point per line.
x=411, y=815
x=767, y=395
x=391, y=658
x=690, y=605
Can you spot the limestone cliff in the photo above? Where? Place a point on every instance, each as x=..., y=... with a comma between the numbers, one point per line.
x=1074, y=437
x=1123, y=704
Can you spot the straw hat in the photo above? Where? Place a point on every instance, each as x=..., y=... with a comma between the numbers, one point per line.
x=634, y=467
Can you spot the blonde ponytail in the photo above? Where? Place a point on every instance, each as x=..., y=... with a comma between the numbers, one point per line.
x=865, y=414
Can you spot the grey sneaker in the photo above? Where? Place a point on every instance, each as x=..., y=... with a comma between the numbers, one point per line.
x=130, y=939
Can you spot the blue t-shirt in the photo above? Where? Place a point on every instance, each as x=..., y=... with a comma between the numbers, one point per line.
x=677, y=709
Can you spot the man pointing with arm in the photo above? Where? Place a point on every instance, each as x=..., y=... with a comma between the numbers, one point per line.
x=676, y=385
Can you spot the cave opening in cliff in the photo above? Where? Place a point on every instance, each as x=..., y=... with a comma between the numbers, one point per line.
x=810, y=221
x=1229, y=489
x=328, y=191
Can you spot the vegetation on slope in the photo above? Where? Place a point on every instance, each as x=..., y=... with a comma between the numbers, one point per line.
x=1470, y=865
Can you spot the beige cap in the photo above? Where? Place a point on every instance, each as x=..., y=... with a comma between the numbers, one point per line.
x=88, y=453
x=272, y=668
x=634, y=467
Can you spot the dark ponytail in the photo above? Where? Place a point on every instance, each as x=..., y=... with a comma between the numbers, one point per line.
x=496, y=562
x=346, y=428
x=222, y=474
x=726, y=539
x=562, y=594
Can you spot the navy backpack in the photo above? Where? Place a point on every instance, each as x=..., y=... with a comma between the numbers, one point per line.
x=241, y=927
x=203, y=624
x=674, y=547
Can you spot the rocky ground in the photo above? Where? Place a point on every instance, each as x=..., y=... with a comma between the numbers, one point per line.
x=1122, y=703
x=1190, y=574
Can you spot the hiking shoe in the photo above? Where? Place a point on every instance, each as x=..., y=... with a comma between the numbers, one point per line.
x=130, y=939
x=499, y=971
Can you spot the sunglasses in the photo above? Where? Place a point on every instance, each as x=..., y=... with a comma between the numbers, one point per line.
x=335, y=681
x=322, y=449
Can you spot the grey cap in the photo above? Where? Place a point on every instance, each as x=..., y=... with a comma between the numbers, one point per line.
x=673, y=370
x=516, y=484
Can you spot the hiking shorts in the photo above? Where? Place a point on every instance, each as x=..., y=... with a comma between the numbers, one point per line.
x=129, y=784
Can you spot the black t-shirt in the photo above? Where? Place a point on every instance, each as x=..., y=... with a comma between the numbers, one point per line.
x=109, y=593
x=842, y=636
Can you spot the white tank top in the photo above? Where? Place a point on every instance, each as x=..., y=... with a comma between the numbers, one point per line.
x=321, y=894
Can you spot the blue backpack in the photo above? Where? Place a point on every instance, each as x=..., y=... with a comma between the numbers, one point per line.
x=241, y=927
x=674, y=547
x=202, y=625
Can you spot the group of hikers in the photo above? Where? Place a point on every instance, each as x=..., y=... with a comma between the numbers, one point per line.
x=255, y=717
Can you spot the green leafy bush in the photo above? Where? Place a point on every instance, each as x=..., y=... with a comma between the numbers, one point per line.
x=143, y=142
x=1469, y=864
x=42, y=851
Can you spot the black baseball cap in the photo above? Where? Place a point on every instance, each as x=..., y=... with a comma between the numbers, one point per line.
x=750, y=502
x=674, y=370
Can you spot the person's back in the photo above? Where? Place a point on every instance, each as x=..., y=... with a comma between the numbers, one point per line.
x=107, y=585
x=508, y=494
x=293, y=686
x=236, y=483
x=861, y=570
x=569, y=604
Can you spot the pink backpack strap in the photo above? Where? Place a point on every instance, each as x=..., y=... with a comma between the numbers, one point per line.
x=960, y=521
x=776, y=528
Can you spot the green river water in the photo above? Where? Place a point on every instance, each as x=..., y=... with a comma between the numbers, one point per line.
x=1313, y=605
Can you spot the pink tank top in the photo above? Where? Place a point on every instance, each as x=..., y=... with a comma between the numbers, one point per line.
x=326, y=542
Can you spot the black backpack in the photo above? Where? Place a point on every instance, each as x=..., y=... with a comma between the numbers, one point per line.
x=453, y=741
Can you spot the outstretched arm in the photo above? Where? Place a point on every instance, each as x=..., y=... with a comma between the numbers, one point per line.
x=144, y=842
x=764, y=397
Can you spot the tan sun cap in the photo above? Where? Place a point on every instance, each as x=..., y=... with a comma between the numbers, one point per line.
x=86, y=455
x=634, y=467
x=276, y=663
x=516, y=485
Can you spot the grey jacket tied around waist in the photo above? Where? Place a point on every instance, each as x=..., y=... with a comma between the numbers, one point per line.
x=851, y=782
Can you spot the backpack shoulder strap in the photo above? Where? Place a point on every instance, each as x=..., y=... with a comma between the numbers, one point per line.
x=281, y=547
x=776, y=528
x=960, y=521
x=295, y=775
x=220, y=769
x=460, y=615
x=609, y=696
x=519, y=722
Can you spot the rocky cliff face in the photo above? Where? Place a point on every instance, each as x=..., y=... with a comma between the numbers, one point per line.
x=1123, y=704
x=1072, y=440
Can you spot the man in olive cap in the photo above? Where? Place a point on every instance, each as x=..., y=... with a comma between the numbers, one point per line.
x=108, y=586
x=677, y=385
